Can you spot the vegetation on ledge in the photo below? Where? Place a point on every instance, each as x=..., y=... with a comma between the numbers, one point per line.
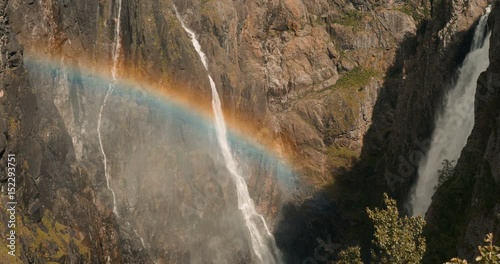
x=351, y=18
x=355, y=78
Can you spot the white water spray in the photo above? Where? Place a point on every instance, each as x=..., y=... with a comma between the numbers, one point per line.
x=263, y=245
x=455, y=124
x=114, y=76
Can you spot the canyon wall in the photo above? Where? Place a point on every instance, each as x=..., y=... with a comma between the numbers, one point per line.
x=467, y=206
x=349, y=88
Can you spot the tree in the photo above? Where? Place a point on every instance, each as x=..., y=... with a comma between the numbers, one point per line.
x=446, y=172
x=351, y=255
x=488, y=254
x=397, y=239
x=456, y=261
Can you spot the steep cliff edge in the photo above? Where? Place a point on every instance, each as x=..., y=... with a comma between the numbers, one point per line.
x=467, y=206
x=424, y=80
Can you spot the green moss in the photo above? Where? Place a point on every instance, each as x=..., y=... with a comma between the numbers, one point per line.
x=12, y=126
x=355, y=78
x=26, y=167
x=50, y=239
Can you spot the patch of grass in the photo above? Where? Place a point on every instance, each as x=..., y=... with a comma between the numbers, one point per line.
x=13, y=127
x=408, y=9
x=351, y=18
x=418, y=13
x=26, y=167
x=341, y=157
x=50, y=239
x=355, y=78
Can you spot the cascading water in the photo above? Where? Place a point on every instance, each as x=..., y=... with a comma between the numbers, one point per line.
x=114, y=76
x=263, y=243
x=111, y=86
x=455, y=124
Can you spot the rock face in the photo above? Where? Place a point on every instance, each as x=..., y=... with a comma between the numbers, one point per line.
x=470, y=199
x=50, y=180
x=308, y=70
x=465, y=208
x=425, y=78
x=350, y=87
x=51, y=96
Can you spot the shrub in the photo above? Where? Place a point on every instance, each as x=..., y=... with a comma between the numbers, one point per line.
x=355, y=78
x=397, y=239
x=445, y=173
x=488, y=254
x=351, y=255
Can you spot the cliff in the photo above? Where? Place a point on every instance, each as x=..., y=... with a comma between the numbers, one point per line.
x=347, y=89
x=467, y=206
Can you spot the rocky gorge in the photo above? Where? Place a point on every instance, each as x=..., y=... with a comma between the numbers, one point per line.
x=345, y=91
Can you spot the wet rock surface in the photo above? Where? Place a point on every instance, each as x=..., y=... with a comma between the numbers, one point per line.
x=350, y=86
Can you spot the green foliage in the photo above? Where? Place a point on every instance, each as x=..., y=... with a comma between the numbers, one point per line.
x=341, y=157
x=452, y=211
x=456, y=261
x=488, y=254
x=445, y=173
x=351, y=255
x=408, y=9
x=397, y=239
x=417, y=11
x=351, y=18
x=12, y=126
x=355, y=78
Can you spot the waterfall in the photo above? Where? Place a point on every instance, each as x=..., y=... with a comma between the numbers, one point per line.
x=454, y=125
x=262, y=241
x=114, y=76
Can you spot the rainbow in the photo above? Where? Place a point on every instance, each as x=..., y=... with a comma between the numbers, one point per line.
x=250, y=142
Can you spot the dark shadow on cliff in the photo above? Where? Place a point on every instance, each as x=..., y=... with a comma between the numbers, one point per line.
x=316, y=229
x=334, y=217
